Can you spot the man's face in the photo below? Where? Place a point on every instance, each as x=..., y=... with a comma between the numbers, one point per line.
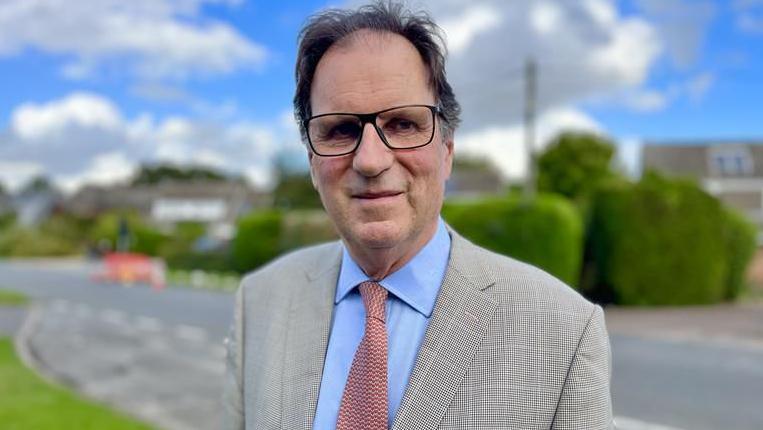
x=378, y=197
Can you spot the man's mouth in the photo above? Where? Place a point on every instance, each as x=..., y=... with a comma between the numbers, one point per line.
x=376, y=195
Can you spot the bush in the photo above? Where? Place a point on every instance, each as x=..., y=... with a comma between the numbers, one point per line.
x=263, y=235
x=27, y=242
x=546, y=232
x=659, y=242
x=257, y=240
x=212, y=261
x=143, y=238
x=740, y=240
x=306, y=227
x=574, y=164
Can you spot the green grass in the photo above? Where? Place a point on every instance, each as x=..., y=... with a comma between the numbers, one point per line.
x=12, y=298
x=198, y=279
x=28, y=402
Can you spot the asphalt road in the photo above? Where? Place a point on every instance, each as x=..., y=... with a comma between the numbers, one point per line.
x=656, y=384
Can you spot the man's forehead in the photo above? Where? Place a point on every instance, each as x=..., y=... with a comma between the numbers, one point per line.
x=368, y=38
x=371, y=65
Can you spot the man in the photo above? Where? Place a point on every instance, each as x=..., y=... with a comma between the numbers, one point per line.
x=403, y=324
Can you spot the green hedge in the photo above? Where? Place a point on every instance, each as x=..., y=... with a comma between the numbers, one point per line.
x=143, y=238
x=20, y=241
x=257, y=239
x=546, y=232
x=263, y=235
x=740, y=240
x=659, y=242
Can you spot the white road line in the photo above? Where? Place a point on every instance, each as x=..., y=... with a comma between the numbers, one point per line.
x=625, y=423
x=191, y=333
x=60, y=305
x=113, y=316
x=83, y=311
x=148, y=323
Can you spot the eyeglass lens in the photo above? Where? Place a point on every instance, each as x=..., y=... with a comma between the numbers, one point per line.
x=404, y=127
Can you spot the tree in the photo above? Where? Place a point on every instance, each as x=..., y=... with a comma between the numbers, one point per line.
x=36, y=185
x=295, y=191
x=575, y=164
x=149, y=175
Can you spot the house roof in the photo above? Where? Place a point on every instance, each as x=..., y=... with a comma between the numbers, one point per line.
x=711, y=159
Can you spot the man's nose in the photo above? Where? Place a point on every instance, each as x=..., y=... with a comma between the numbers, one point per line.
x=372, y=156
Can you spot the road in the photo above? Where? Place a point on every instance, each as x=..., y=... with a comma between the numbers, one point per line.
x=656, y=384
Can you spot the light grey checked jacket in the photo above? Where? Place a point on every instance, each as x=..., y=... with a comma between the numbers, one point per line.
x=507, y=347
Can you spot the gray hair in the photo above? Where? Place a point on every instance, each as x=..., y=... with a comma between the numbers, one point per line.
x=328, y=27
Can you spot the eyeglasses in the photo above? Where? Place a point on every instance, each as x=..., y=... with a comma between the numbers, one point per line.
x=401, y=127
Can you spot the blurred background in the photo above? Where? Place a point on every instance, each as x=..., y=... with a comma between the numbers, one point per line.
x=149, y=158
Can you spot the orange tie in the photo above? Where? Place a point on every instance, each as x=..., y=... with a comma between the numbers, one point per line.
x=364, y=401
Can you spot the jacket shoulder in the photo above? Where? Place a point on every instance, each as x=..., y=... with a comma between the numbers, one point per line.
x=293, y=267
x=521, y=285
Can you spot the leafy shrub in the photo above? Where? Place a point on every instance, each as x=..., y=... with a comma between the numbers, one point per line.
x=257, y=239
x=263, y=235
x=659, y=242
x=740, y=240
x=306, y=227
x=546, y=232
x=143, y=238
x=574, y=164
x=28, y=242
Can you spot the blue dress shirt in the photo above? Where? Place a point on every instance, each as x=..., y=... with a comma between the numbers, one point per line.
x=412, y=293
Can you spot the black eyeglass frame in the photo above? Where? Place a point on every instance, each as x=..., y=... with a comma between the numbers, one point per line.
x=366, y=118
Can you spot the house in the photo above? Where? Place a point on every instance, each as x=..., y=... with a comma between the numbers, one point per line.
x=729, y=170
x=214, y=203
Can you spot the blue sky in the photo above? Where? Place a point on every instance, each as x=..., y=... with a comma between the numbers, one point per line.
x=93, y=88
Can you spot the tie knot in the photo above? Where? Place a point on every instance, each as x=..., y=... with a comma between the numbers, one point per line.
x=374, y=297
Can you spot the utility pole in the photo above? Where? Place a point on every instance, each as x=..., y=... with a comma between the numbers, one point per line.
x=531, y=74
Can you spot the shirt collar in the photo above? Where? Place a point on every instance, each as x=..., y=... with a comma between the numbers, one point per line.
x=416, y=283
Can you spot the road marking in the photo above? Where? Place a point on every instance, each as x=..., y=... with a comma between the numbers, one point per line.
x=83, y=311
x=148, y=323
x=113, y=316
x=626, y=423
x=191, y=333
x=60, y=305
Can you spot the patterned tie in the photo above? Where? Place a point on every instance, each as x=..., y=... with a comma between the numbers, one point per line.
x=364, y=402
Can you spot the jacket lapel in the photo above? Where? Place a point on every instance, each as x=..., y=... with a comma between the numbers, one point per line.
x=307, y=339
x=459, y=322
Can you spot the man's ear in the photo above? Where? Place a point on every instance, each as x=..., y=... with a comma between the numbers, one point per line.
x=448, y=142
x=310, y=156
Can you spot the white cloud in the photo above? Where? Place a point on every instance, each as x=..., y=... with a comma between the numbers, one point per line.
x=475, y=20
x=749, y=15
x=545, y=16
x=682, y=25
x=628, y=155
x=84, y=138
x=583, y=49
x=750, y=23
x=104, y=169
x=505, y=146
x=36, y=121
x=699, y=85
x=15, y=175
x=152, y=38
x=647, y=101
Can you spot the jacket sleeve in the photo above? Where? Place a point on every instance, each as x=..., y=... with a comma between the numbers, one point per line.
x=585, y=401
x=233, y=392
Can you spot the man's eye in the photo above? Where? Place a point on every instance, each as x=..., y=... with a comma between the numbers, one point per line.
x=343, y=131
x=401, y=125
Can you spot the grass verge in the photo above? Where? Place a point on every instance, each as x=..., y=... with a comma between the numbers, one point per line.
x=12, y=298
x=198, y=279
x=28, y=402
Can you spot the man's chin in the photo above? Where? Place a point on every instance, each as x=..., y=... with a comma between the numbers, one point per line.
x=377, y=234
